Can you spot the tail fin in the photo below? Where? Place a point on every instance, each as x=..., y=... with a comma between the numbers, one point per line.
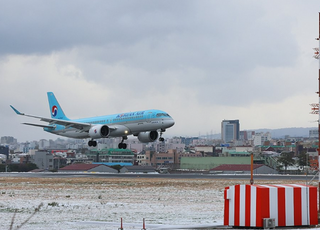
x=55, y=109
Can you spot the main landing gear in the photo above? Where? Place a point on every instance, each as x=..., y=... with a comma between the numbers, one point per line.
x=92, y=143
x=121, y=144
x=161, y=138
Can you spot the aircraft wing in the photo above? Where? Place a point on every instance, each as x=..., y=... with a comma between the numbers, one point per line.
x=52, y=122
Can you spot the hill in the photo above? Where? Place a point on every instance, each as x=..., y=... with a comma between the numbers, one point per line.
x=292, y=132
x=280, y=133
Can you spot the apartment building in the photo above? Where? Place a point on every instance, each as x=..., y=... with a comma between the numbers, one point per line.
x=230, y=130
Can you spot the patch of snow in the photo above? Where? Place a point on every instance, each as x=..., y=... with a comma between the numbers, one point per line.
x=100, y=203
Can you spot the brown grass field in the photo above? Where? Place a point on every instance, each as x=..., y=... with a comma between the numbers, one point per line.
x=25, y=183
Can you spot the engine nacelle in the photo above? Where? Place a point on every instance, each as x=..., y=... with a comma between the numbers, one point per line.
x=99, y=131
x=146, y=137
x=119, y=131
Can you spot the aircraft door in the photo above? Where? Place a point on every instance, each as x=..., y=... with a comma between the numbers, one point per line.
x=149, y=116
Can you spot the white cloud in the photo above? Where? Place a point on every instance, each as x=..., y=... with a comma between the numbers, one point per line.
x=202, y=62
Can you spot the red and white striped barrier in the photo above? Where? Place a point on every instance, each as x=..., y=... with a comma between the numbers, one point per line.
x=288, y=204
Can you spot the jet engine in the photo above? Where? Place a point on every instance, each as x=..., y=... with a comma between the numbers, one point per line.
x=99, y=131
x=146, y=137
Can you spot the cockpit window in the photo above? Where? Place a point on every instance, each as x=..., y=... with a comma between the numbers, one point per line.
x=162, y=115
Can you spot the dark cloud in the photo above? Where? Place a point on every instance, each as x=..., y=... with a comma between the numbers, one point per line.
x=150, y=34
x=41, y=27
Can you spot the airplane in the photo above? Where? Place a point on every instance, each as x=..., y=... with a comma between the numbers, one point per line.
x=145, y=124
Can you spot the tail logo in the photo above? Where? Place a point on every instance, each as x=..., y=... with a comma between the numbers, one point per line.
x=54, y=110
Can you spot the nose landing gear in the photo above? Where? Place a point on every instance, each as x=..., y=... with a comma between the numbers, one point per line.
x=161, y=138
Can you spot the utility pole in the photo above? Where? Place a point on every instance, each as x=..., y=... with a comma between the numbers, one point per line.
x=251, y=179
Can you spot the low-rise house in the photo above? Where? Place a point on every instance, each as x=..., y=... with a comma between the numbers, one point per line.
x=112, y=155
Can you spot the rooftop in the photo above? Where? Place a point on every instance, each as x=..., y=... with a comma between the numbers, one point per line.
x=81, y=167
x=236, y=167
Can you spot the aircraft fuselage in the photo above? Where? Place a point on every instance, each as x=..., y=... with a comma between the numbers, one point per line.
x=135, y=122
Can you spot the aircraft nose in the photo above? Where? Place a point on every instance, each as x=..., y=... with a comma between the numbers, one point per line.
x=170, y=122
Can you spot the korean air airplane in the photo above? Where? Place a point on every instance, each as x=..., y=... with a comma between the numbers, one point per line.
x=145, y=124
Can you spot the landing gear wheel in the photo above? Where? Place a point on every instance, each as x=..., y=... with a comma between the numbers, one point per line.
x=122, y=145
x=161, y=139
x=92, y=143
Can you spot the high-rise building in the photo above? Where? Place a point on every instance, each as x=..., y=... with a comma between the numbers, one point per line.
x=8, y=140
x=261, y=138
x=230, y=130
x=313, y=133
x=246, y=135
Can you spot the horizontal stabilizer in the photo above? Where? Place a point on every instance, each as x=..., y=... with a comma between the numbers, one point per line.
x=43, y=126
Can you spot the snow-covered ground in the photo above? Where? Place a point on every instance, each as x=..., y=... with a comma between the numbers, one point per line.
x=100, y=203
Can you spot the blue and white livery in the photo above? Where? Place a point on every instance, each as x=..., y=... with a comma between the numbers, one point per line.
x=145, y=124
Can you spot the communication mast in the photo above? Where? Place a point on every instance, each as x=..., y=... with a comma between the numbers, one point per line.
x=316, y=107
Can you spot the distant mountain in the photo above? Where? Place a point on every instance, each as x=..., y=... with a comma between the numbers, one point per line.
x=292, y=132
x=279, y=133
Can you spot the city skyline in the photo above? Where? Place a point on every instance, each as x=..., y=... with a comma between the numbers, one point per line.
x=200, y=61
x=276, y=133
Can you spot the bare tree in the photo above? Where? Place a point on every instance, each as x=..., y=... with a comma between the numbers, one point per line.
x=37, y=209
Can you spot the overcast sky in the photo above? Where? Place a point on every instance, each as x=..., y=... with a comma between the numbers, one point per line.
x=200, y=61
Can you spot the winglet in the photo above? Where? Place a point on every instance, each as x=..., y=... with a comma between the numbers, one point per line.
x=17, y=112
